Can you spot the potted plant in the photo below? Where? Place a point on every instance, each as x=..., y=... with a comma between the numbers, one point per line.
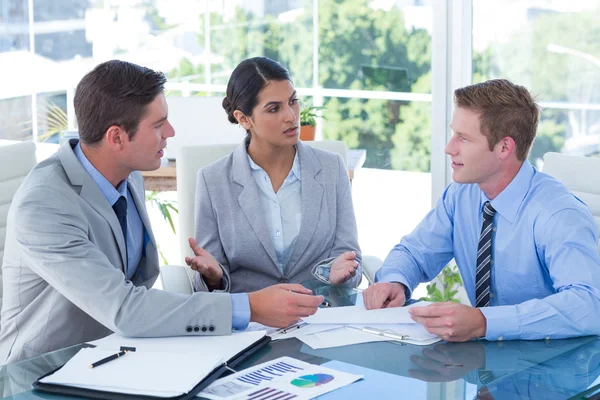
x=308, y=123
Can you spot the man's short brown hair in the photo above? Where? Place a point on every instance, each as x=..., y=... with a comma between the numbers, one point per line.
x=114, y=93
x=504, y=109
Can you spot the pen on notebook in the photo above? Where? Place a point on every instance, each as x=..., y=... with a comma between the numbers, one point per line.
x=109, y=358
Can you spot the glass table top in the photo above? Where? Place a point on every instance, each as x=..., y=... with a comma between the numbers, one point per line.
x=552, y=369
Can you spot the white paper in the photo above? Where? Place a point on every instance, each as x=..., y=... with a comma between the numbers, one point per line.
x=225, y=346
x=351, y=334
x=282, y=378
x=338, y=337
x=143, y=373
x=360, y=315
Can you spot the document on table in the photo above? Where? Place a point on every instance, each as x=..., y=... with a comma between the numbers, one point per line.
x=225, y=346
x=356, y=334
x=283, y=378
x=161, y=374
x=360, y=315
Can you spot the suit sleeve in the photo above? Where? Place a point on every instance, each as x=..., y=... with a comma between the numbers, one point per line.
x=346, y=234
x=207, y=232
x=54, y=235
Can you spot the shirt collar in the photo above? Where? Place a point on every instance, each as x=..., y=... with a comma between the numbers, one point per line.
x=294, y=172
x=107, y=189
x=507, y=203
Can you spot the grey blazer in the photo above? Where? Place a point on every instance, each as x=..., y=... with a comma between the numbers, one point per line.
x=231, y=226
x=63, y=269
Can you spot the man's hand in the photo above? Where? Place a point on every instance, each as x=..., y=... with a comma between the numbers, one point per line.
x=384, y=295
x=343, y=268
x=206, y=264
x=452, y=322
x=282, y=305
x=448, y=362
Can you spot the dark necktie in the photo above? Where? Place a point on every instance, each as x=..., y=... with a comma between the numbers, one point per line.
x=484, y=258
x=120, y=208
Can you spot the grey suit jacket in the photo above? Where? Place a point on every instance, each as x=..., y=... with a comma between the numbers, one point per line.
x=63, y=269
x=231, y=226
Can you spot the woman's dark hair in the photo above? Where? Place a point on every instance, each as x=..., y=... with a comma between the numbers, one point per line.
x=114, y=93
x=246, y=82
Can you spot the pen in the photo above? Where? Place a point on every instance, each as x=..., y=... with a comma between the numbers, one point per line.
x=109, y=358
x=380, y=333
x=283, y=331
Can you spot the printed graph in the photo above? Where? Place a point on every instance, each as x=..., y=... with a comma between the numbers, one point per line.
x=310, y=381
x=270, y=394
x=269, y=373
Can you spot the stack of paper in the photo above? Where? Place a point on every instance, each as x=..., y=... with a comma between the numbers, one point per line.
x=342, y=326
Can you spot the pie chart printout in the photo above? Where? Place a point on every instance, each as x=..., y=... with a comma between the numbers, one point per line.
x=310, y=381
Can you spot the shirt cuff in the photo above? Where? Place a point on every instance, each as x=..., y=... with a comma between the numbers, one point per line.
x=502, y=322
x=240, y=311
x=322, y=270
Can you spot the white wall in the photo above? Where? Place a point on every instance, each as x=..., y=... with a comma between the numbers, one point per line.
x=200, y=120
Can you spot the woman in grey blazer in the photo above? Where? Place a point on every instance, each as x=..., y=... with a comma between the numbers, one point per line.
x=274, y=210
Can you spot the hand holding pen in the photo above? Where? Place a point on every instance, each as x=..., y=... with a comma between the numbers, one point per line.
x=282, y=305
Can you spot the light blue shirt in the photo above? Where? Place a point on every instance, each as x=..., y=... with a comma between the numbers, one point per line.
x=282, y=210
x=135, y=228
x=545, y=279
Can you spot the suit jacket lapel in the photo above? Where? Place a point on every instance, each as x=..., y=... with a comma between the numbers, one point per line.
x=312, y=197
x=90, y=193
x=249, y=201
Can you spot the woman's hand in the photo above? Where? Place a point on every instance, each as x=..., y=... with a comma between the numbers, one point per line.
x=206, y=264
x=343, y=268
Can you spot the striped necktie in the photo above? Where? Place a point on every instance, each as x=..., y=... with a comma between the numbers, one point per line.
x=484, y=258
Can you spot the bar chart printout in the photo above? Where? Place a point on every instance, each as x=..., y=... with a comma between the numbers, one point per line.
x=283, y=379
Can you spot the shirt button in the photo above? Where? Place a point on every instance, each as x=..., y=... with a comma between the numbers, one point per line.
x=491, y=295
x=278, y=234
x=494, y=229
x=274, y=204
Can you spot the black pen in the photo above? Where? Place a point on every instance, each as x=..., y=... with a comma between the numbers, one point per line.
x=109, y=358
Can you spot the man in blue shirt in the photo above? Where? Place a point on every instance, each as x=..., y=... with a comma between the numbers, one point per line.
x=526, y=247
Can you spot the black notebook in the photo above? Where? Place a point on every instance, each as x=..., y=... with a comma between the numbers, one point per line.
x=147, y=373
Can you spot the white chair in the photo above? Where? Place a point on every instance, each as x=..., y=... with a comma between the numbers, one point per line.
x=189, y=160
x=16, y=160
x=580, y=174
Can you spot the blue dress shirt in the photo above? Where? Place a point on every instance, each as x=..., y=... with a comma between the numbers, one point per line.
x=545, y=279
x=135, y=228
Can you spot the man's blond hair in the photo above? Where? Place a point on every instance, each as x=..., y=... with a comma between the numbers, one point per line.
x=504, y=109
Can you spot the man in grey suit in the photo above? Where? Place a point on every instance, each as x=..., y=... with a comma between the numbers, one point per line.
x=80, y=256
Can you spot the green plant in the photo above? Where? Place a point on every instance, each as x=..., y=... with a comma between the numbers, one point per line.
x=450, y=280
x=308, y=115
x=165, y=207
x=52, y=116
